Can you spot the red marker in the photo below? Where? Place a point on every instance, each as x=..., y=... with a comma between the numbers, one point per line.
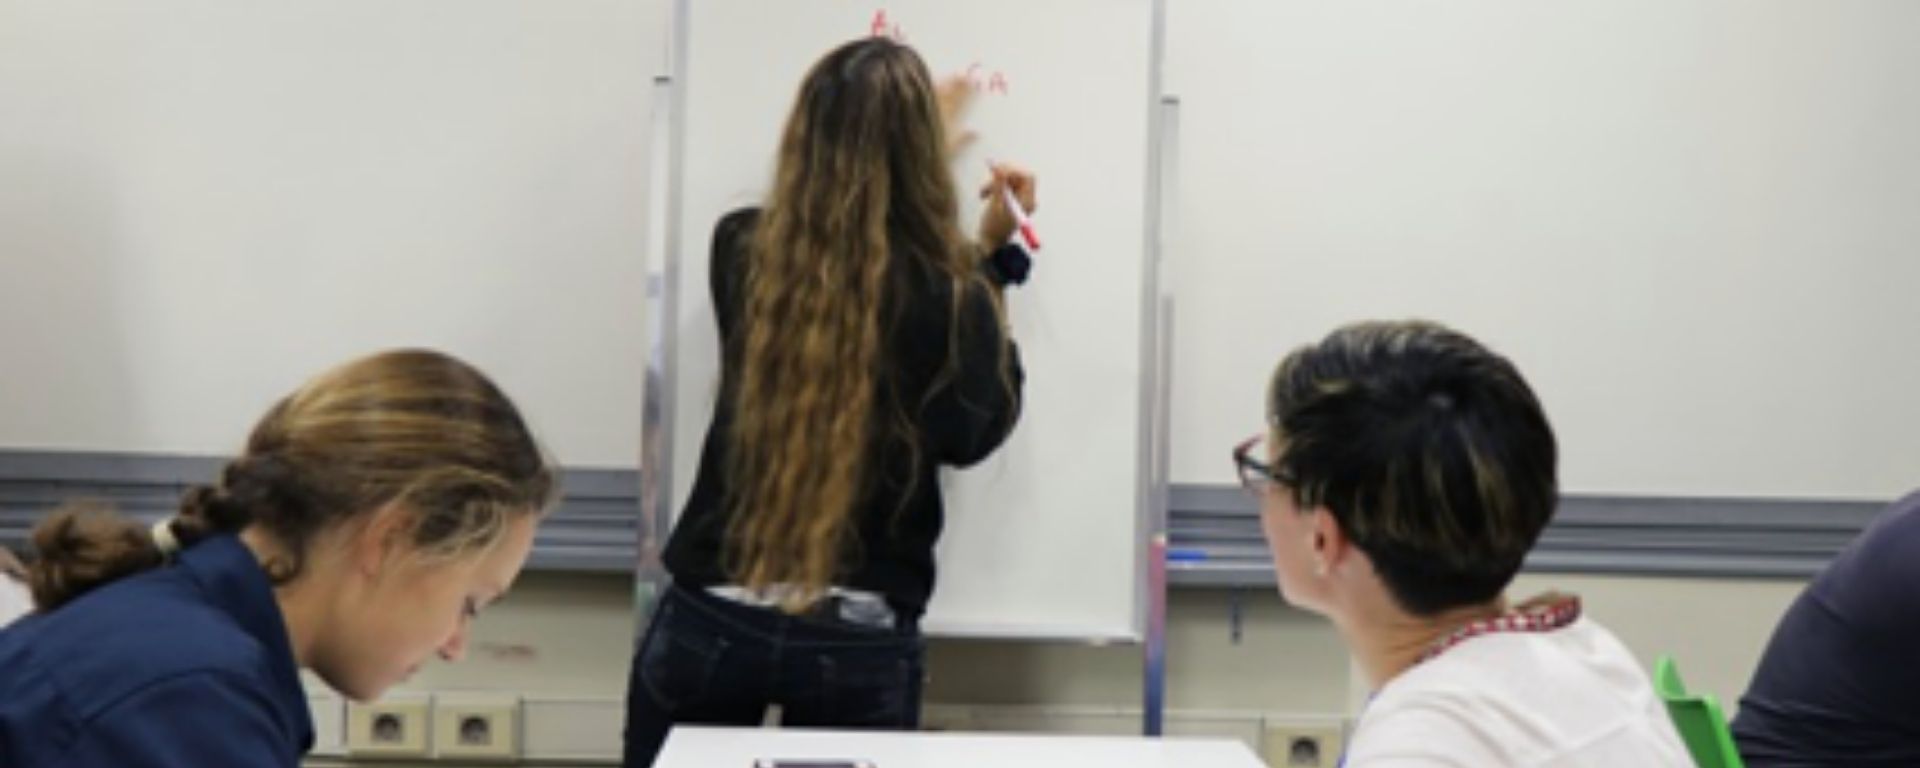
x=1020, y=219
x=1027, y=232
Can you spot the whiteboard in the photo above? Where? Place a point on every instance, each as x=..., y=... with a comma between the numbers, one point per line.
x=1044, y=540
x=202, y=203
x=1692, y=223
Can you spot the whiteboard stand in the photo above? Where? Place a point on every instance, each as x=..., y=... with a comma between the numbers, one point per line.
x=663, y=279
x=1154, y=651
x=1154, y=637
x=1163, y=142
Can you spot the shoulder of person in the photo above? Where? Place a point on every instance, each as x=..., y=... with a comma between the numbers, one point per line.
x=1422, y=730
x=16, y=600
x=736, y=224
x=141, y=632
x=11, y=565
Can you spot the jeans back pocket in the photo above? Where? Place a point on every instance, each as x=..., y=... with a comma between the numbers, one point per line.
x=681, y=656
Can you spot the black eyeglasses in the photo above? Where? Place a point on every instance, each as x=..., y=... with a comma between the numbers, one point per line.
x=1255, y=475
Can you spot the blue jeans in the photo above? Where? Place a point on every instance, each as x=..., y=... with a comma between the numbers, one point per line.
x=709, y=661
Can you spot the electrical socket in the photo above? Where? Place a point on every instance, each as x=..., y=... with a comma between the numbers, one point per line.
x=392, y=727
x=1303, y=744
x=476, y=725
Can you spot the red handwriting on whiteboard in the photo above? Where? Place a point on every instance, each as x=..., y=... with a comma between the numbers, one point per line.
x=977, y=76
x=881, y=27
x=982, y=80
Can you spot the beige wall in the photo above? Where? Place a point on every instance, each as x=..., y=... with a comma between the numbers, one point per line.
x=565, y=634
x=1290, y=661
x=1714, y=628
x=1284, y=660
x=554, y=634
x=568, y=637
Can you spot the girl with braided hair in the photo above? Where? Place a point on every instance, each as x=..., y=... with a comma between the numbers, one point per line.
x=373, y=513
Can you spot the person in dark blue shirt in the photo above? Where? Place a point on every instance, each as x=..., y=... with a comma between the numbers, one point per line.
x=373, y=512
x=1838, y=684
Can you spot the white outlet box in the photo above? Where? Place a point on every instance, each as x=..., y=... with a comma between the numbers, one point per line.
x=329, y=712
x=580, y=730
x=1304, y=744
x=393, y=727
x=478, y=726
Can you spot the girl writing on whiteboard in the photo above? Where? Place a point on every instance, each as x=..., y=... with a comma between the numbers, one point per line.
x=864, y=345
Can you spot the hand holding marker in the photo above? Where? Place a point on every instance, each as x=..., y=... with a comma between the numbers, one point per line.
x=1022, y=222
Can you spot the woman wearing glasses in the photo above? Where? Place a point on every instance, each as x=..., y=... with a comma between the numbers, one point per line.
x=864, y=346
x=1405, y=473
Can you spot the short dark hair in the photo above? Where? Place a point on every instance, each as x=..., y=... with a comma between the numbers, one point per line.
x=1430, y=451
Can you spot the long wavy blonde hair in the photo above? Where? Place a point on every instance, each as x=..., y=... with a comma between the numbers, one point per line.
x=862, y=175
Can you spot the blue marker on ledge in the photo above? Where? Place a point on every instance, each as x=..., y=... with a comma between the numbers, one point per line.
x=1186, y=555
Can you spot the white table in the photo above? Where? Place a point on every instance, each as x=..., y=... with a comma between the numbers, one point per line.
x=699, y=747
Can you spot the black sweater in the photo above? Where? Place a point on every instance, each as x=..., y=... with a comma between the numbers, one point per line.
x=899, y=515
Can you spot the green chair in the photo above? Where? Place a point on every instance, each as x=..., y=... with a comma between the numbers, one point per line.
x=1698, y=719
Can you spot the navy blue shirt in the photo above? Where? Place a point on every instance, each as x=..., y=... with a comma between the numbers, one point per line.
x=1840, y=681
x=187, y=665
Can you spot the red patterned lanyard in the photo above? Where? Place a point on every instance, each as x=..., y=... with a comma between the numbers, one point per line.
x=1542, y=614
